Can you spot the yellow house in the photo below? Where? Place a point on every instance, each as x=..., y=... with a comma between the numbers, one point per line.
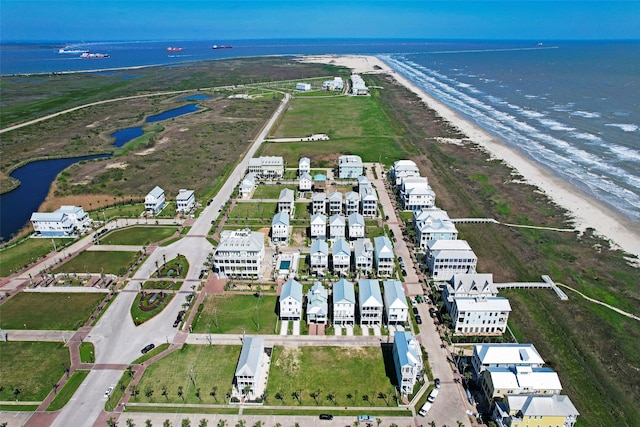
x=534, y=410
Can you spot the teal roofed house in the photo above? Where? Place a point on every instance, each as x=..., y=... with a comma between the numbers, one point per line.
x=317, y=304
x=249, y=366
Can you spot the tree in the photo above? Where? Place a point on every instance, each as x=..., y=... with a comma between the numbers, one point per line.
x=186, y=422
x=279, y=396
x=148, y=392
x=432, y=424
x=365, y=397
x=384, y=396
x=203, y=422
x=134, y=391
x=222, y=423
x=296, y=394
x=180, y=393
x=378, y=421
x=331, y=397
x=166, y=423
x=129, y=422
x=165, y=393
x=350, y=397
x=111, y=422
x=198, y=394
x=147, y=423
x=214, y=393
x=16, y=391
x=314, y=395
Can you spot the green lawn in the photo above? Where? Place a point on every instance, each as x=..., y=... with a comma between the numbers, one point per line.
x=87, y=352
x=270, y=191
x=166, y=285
x=251, y=210
x=230, y=314
x=348, y=373
x=28, y=250
x=57, y=311
x=108, y=262
x=138, y=235
x=130, y=210
x=32, y=368
x=213, y=369
x=63, y=396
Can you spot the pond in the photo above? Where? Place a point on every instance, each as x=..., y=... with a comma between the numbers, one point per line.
x=170, y=114
x=196, y=97
x=123, y=136
x=35, y=178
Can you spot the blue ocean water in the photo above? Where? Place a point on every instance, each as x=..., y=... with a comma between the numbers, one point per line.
x=574, y=107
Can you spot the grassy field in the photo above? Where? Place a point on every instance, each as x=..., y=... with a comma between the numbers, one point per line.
x=173, y=372
x=56, y=311
x=27, y=251
x=336, y=375
x=138, y=235
x=32, y=368
x=140, y=315
x=63, y=396
x=257, y=210
x=107, y=262
x=230, y=314
x=270, y=191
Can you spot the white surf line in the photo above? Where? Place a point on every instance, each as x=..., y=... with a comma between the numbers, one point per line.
x=617, y=310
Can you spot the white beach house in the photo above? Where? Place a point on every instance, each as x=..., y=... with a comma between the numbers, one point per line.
x=318, y=226
x=290, y=300
x=286, y=201
x=239, y=254
x=407, y=358
x=304, y=166
x=319, y=256
x=250, y=366
x=363, y=254
x=349, y=166
x=344, y=303
x=185, y=200
x=356, y=226
x=337, y=227
x=370, y=302
x=341, y=256
x=317, y=304
x=384, y=257
x=154, y=201
x=280, y=228
x=395, y=303
x=448, y=257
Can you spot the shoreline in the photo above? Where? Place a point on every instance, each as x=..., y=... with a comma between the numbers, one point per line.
x=582, y=209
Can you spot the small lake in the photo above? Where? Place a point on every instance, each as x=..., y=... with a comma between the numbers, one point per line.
x=196, y=97
x=170, y=114
x=35, y=178
x=123, y=136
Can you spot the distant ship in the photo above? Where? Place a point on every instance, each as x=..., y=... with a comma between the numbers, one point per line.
x=540, y=44
x=72, y=51
x=87, y=55
x=221, y=46
x=175, y=49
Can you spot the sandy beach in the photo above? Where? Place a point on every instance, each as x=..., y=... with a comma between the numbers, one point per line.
x=585, y=211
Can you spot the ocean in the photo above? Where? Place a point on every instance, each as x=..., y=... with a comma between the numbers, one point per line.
x=573, y=107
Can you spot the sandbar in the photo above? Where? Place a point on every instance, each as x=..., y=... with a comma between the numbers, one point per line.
x=584, y=210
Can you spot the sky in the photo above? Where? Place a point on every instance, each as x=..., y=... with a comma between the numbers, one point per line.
x=125, y=20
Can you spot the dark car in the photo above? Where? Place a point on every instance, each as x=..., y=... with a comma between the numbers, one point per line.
x=418, y=319
x=399, y=259
x=432, y=312
x=415, y=310
x=436, y=382
x=148, y=348
x=326, y=416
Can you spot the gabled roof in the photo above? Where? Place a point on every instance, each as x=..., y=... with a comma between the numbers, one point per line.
x=337, y=220
x=48, y=216
x=305, y=176
x=362, y=245
x=291, y=289
x=157, y=192
x=250, y=357
x=319, y=197
x=249, y=179
x=369, y=293
x=352, y=195
x=240, y=240
x=383, y=247
x=474, y=283
x=319, y=218
x=394, y=296
x=407, y=348
x=321, y=246
x=453, y=245
x=304, y=161
x=437, y=225
x=70, y=209
x=341, y=247
x=343, y=292
x=541, y=405
x=286, y=195
x=317, y=300
x=356, y=219
x=430, y=213
x=184, y=195
x=281, y=218
x=335, y=196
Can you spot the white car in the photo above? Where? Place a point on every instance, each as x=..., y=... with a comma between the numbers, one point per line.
x=108, y=392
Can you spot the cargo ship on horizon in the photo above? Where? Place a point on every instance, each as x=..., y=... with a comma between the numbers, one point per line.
x=87, y=55
x=221, y=46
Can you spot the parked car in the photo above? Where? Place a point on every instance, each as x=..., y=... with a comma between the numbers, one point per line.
x=418, y=319
x=108, y=392
x=326, y=416
x=432, y=312
x=366, y=418
x=436, y=382
x=425, y=409
x=148, y=348
x=415, y=310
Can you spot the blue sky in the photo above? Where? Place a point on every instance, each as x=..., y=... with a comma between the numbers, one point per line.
x=104, y=20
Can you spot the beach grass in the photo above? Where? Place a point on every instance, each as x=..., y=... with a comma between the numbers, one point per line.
x=48, y=311
x=32, y=368
x=138, y=235
x=97, y=262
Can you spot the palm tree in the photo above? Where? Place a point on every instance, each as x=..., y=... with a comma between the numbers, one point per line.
x=165, y=393
x=214, y=393
x=180, y=392
x=198, y=394
x=331, y=397
x=222, y=423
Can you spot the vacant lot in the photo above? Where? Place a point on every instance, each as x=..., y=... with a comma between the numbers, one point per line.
x=341, y=376
x=27, y=251
x=58, y=311
x=254, y=210
x=32, y=368
x=213, y=371
x=139, y=235
x=107, y=262
x=233, y=314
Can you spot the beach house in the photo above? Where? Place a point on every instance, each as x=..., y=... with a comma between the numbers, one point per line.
x=185, y=200
x=239, y=254
x=317, y=304
x=303, y=87
x=535, y=410
x=305, y=182
x=285, y=201
x=247, y=186
x=370, y=302
x=407, y=359
x=337, y=84
x=337, y=227
x=351, y=202
x=349, y=166
x=344, y=303
x=52, y=224
x=503, y=355
x=250, y=367
x=334, y=201
x=383, y=257
x=280, y=228
x=358, y=87
x=433, y=224
x=368, y=201
x=480, y=315
x=340, y=256
x=356, y=226
x=403, y=169
x=319, y=203
x=319, y=257
x=318, y=226
x=267, y=167
x=395, y=303
x=473, y=285
x=363, y=256
x=304, y=166
x=154, y=201
x=497, y=382
x=290, y=300
x=448, y=257
x=416, y=194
